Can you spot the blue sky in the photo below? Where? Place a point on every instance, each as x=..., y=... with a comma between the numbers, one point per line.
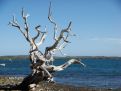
x=97, y=24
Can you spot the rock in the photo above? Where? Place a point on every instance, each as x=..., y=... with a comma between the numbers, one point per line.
x=32, y=87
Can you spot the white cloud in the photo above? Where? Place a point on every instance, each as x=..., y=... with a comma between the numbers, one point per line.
x=94, y=39
x=106, y=39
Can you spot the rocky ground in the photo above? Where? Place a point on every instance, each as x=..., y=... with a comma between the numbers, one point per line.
x=8, y=84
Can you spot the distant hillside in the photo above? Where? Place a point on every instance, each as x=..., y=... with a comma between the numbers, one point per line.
x=94, y=57
x=19, y=57
x=25, y=57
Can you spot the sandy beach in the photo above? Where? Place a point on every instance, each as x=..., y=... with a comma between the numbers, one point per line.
x=10, y=84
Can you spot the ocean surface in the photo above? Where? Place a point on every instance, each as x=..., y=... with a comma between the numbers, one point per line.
x=99, y=73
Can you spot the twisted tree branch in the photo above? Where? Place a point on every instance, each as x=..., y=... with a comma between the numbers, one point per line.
x=54, y=46
x=37, y=28
x=43, y=36
x=53, y=22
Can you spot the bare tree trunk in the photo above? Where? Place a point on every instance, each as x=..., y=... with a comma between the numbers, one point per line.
x=40, y=62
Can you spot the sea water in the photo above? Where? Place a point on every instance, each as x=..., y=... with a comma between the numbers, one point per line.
x=99, y=73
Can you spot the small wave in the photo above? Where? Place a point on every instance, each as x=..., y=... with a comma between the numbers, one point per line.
x=2, y=65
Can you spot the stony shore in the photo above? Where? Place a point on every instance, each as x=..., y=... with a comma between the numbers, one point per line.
x=8, y=83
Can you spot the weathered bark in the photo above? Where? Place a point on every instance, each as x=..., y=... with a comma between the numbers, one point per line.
x=40, y=62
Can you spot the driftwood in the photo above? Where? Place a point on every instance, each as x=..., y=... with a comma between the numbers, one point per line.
x=41, y=62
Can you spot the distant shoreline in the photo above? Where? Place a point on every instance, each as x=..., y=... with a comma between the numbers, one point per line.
x=26, y=57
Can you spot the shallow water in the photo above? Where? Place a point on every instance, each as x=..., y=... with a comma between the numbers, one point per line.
x=97, y=73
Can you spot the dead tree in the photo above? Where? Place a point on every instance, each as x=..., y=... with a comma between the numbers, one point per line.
x=41, y=62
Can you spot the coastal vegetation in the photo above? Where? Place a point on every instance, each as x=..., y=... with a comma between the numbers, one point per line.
x=26, y=57
x=19, y=57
